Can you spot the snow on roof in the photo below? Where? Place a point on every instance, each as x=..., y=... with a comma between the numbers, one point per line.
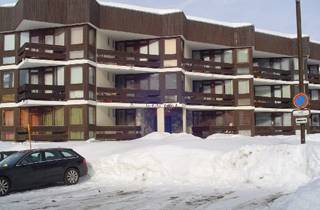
x=285, y=35
x=216, y=22
x=315, y=41
x=8, y=4
x=138, y=8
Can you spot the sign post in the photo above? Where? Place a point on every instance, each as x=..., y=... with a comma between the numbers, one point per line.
x=301, y=101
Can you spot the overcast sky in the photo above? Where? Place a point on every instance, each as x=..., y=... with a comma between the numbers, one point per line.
x=276, y=15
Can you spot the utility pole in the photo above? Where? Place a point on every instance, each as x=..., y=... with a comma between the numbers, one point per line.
x=301, y=63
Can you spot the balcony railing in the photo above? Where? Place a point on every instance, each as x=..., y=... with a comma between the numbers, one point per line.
x=43, y=133
x=269, y=73
x=211, y=67
x=193, y=98
x=118, y=132
x=315, y=104
x=41, y=92
x=272, y=102
x=128, y=95
x=314, y=78
x=274, y=130
x=128, y=59
x=205, y=131
x=41, y=51
x=314, y=129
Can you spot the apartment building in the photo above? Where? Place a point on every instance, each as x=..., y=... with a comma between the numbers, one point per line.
x=81, y=69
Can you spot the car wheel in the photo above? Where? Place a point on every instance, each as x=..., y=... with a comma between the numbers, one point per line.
x=71, y=176
x=4, y=186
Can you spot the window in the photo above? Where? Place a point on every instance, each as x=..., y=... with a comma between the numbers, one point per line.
x=277, y=91
x=68, y=154
x=170, y=46
x=154, y=82
x=8, y=118
x=48, y=117
x=76, y=75
x=59, y=38
x=59, y=116
x=243, y=56
x=24, y=117
x=8, y=80
x=75, y=116
x=227, y=56
x=285, y=64
x=263, y=119
x=60, y=76
x=73, y=94
x=228, y=87
x=9, y=42
x=154, y=48
x=76, y=54
x=92, y=37
x=9, y=60
x=52, y=155
x=91, y=115
x=24, y=38
x=76, y=135
x=278, y=120
x=24, y=77
x=171, y=81
x=244, y=86
x=48, y=39
x=91, y=76
x=315, y=120
x=286, y=92
x=77, y=35
x=287, y=119
x=218, y=88
x=314, y=94
x=35, y=39
x=170, y=63
x=32, y=158
x=264, y=91
x=243, y=70
x=7, y=135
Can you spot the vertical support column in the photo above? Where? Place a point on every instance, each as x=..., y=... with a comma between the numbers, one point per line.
x=184, y=120
x=160, y=119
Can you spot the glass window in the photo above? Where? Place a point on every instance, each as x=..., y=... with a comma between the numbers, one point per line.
x=48, y=39
x=170, y=46
x=228, y=87
x=59, y=38
x=278, y=120
x=154, y=82
x=60, y=76
x=73, y=94
x=286, y=92
x=277, y=91
x=32, y=158
x=218, y=88
x=314, y=94
x=263, y=119
x=24, y=117
x=144, y=84
x=48, y=117
x=296, y=63
x=9, y=60
x=285, y=64
x=154, y=48
x=170, y=63
x=243, y=56
x=75, y=116
x=59, y=116
x=9, y=42
x=171, y=81
x=35, y=39
x=76, y=54
x=287, y=119
x=8, y=80
x=264, y=91
x=143, y=50
x=227, y=56
x=315, y=120
x=91, y=76
x=8, y=118
x=52, y=155
x=244, y=86
x=68, y=154
x=92, y=37
x=77, y=35
x=76, y=75
x=91, y=95
x=24, y=77
x=76, y=135
x=24, y=38
x=276, y=64
x=91, y=115
x=243, y=70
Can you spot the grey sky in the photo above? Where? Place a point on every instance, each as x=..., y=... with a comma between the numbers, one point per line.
x=276, y=15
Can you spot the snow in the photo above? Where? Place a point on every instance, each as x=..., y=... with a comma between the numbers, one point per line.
x=285, y=35
x=181, y=171
x=216, y=22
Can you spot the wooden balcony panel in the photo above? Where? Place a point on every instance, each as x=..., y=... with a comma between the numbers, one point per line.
x=128, y=59
x=193, y=98
x=128, y=95
x=41, y=92
x=269, y=73
x=43, y=133
x=315, y=104
x=207, y=67
x=274, y=130
x=205, y=131
x=314, y=129
x=314, y=78
x=41, y=51
x=272, y=102
x=119, y=132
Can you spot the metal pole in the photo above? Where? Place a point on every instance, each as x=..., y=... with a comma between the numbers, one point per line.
x=301, y=63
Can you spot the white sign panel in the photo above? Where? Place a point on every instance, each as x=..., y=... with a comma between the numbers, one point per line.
x=301, y=113
x=302, y=120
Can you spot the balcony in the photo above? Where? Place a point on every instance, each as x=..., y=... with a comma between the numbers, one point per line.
x=269, y=73
x=314, y=129
x=207, y=67
x=272, y=102
x=314, y=78
x=274, y=130
x=41, y=92
x=205, y=131
x=315, y=104
x=128, y=95
x=43, y=133
x=119, y=132
x=41, y=51
x=193, y=98
x=128, y=59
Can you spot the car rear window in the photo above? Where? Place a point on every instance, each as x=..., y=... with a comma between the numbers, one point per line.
x=52, y=155
x=12, y=159
x=68, y=154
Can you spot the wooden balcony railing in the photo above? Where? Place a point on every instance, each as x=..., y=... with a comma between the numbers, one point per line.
x=211, y=67
x=128, y=95
x=274, y=130
x=314, y=129
x=269, y=73
x=205, y=131
x=118, y=132
x=272, y=102
x=41, y=51
x=43, y=133
x=209, y=99
x=41, y=92
x=128, y=59
x=315, y=104
x=314, y=78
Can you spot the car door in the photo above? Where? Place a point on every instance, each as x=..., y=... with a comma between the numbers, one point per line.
x=54, y=166
x=29, y=171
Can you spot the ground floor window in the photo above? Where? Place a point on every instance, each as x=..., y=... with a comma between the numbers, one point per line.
x=8, y=118
x=263, y=119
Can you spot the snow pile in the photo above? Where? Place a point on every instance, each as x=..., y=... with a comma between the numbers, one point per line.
x=305, y=198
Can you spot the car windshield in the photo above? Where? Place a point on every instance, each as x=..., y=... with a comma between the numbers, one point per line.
x=11, y=160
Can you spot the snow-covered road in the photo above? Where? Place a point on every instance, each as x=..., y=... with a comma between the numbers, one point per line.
x=180, y=171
